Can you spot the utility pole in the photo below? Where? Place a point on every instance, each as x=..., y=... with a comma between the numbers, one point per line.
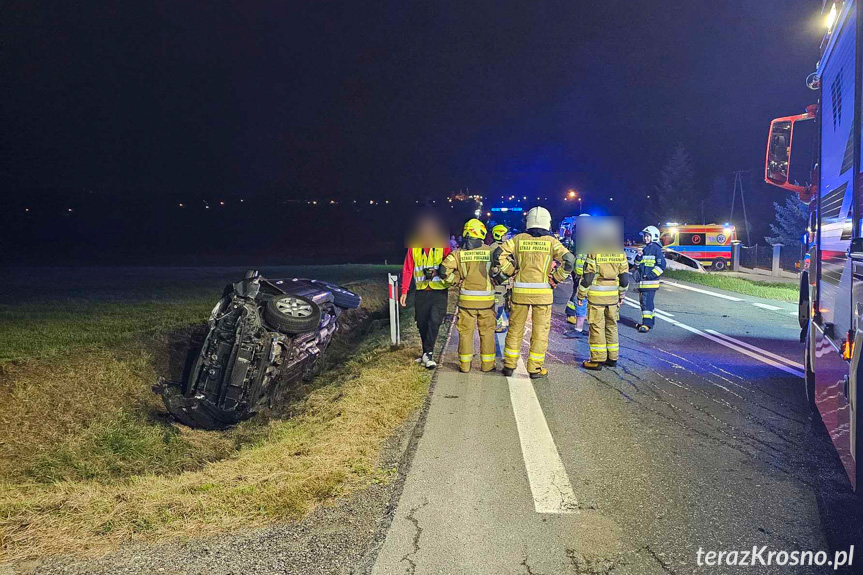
x=738, y=185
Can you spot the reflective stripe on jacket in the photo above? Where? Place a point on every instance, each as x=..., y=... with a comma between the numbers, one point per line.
x=530, y=258
x=651, y=266
x=601, y=280
x=472, y=267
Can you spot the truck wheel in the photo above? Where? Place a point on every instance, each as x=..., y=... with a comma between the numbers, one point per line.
x=342, y=297
x=719, y=264
x=292, y=314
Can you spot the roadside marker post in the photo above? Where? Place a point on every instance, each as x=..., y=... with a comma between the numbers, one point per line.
x=395, y=327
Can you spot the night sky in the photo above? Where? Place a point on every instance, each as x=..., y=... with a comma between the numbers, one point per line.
x=349, y=99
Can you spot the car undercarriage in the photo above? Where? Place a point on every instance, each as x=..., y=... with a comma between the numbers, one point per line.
x=263, y=336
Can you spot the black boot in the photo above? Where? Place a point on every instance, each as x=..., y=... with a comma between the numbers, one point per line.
x=507, y=371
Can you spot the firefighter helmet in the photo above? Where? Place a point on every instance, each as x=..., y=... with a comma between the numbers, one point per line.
x=539, y=217
x=651, y=231
x=499, y=232
x=474, y=229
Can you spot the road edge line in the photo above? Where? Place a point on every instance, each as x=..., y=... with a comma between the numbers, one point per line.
x=366, y=563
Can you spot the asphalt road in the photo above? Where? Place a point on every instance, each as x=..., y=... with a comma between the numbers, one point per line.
x=698, y=440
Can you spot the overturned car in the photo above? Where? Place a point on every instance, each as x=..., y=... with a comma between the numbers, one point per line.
x=263, y=335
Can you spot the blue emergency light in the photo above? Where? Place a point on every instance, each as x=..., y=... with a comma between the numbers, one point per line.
x=507, y=209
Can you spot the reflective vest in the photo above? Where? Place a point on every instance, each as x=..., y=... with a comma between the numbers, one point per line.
x=427, y=260
x=579, y=264
x=477, y=291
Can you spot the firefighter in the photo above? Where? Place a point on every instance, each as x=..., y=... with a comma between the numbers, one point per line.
x=472, y=264
x=529, y=257
x=651, y=265
x=501, y=292
x=605, y=280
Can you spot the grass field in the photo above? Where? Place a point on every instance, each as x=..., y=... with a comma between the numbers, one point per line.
x=89, y=459
x=778, y=291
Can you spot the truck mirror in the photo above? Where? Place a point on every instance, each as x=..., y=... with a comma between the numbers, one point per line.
x=779, y=153
x=777, y=165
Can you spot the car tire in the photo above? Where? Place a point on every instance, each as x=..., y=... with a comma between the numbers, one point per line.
x=719, y=265
x=342, y=297
x=292, y=313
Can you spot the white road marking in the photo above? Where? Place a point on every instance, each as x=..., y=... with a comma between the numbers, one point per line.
x=739, y=348
x=748, y=345
x=794, y=313
x=655, y=310
x=704, y=291
x=549, y=483
x=767, y=306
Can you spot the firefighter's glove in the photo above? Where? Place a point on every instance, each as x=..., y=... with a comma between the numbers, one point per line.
x=499, y=278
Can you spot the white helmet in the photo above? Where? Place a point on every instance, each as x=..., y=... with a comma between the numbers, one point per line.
x=653, y=231
x=539, y=218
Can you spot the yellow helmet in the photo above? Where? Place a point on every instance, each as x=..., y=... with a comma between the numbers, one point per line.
x=499, y=232
x=474, y=229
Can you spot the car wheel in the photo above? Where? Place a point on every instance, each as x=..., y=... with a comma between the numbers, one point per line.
x=292, y=313
x=342, y=297
x=719, y=264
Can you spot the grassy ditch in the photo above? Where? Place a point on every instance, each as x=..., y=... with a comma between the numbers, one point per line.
x=88, y=458
x=769, y=290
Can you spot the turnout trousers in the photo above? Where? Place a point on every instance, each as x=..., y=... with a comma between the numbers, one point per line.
x=467, y=322
x=540, y=316
x=602, y=331
x=429, y=311
x=646, y=297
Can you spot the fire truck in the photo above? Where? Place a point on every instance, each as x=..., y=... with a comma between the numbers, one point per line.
x=710, y=244
x=831, y=289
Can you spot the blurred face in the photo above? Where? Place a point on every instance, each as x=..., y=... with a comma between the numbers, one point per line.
x=599, y=235
x=646, y=237
x=427, y=232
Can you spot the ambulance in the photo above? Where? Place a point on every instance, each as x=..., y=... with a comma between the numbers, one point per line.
x=710, y=244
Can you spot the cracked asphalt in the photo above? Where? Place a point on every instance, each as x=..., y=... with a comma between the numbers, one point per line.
x=686, y=445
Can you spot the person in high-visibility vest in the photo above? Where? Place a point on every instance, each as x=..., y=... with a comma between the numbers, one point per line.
x=499, y=234
x=651, y=265
x=530, y=257
x=605, y=280
x=472, y=265
x=430, y=299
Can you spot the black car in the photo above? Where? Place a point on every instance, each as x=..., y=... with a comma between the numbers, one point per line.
x=263, y=335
